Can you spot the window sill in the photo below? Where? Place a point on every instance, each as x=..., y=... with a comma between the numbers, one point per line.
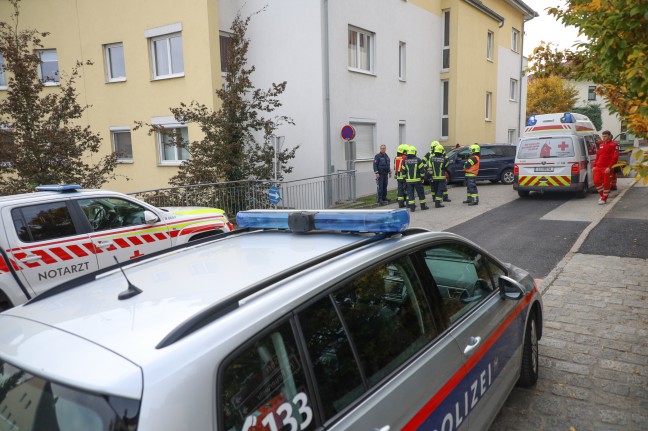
x=165, y=77
x=171, y=164
x=112, y=81
x=362, y=71
x=125, y=161
x=51, y=84
x=403, y=80
x=490, y=60
x=513, y=100
x=3, y=87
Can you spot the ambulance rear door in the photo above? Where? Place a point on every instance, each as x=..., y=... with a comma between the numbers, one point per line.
x=546, y=161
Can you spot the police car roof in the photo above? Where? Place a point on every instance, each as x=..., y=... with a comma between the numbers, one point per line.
x=177, y=287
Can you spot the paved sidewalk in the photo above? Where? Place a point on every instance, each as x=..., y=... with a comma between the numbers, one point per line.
x=594, y=350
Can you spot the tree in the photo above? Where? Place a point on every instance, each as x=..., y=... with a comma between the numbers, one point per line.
x=615, y=55
x=229, y=150
x=550, y=94
x=593, y=112
x=40, y=144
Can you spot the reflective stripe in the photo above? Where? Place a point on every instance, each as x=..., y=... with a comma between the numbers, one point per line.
x=545, y=181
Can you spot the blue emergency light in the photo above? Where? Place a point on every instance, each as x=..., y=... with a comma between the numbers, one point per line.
x=62, y=188
x=532, y=121
x=376, y=221
x=567, y=118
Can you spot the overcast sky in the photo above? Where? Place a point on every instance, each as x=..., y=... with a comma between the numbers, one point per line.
x=546, y=28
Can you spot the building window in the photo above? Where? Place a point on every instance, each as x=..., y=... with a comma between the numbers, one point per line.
x=360, y=50
x=446, y=40
x=445, y=91
x=173, y=144
x=365, y=139
x=512, y=136
x=489, y=45
x=401, y=61
x=3, y=75
x=49, y=68
x=402, y=139
x=165, y=44
x=515, y=40
x=513, y=91
x=489, y=103
x=114, y=58
x=225, y=43
x=122, y=145
x=591, y=93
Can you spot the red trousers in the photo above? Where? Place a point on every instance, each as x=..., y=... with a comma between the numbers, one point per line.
x=602, y=181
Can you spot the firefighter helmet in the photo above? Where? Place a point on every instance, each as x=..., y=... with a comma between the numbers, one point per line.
x=402, y=148
x=439, y=149
x=433, y=145
x=411, y=150
x=474, y=148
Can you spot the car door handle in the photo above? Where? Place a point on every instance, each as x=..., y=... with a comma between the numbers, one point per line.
x=385, y=428
x=472, y=343
x=105, y=244
x=31, y=258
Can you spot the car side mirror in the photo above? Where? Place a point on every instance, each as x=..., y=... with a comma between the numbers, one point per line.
x=150, y=217
x=509, y=288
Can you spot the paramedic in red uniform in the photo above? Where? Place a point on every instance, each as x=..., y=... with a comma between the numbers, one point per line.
x=606, y=157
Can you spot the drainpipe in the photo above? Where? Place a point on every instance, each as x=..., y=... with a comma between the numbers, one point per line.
x=327, y=96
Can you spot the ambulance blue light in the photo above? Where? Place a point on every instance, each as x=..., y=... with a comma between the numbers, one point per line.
x=63, y=188
x=332, y=220
x=567, y=118
x=532, y=121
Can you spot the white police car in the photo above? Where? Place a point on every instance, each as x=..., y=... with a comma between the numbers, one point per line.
x=62, y=232
x=337, y=320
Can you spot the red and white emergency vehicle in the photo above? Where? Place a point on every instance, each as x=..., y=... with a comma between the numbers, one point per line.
x=556, y=152
x=63, y=232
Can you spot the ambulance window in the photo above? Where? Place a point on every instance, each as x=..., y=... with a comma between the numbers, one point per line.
x=43, y=222
x=111, y=213
x=264, y=386
x=462, y=277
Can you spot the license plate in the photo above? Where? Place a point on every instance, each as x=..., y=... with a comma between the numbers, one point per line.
x=543, y=169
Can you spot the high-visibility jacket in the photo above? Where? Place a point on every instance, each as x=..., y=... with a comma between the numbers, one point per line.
x=472, y=166
x=399, y=172
x=414, y=169
x=437, y=166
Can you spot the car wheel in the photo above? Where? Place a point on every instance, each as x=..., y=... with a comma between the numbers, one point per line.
x=583, y=193
x=529, y=371
x=523, y=193
x=507, y=177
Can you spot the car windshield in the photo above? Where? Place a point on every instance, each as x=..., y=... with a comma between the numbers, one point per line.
x=28, y=402
x=540, y=148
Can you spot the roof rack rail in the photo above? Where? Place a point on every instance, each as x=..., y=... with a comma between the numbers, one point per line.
x=220, y=309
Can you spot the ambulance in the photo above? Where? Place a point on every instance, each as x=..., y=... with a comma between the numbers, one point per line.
x=556, y=153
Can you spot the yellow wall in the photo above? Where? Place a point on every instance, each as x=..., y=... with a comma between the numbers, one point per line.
x=79, y=29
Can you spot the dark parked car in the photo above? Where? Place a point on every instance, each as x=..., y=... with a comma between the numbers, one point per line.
x=495, y=163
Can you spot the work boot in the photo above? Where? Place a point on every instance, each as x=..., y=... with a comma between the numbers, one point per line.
x=468, y=200
x=474, y=202
x=446, y=199
x=401, y=204
x=412, y=208
x=424, y=207
x=438, y=204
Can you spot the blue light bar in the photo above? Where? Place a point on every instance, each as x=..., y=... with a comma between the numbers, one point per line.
x=567, y=118
x=532, y=121
x=63, y=188
x=331, y=220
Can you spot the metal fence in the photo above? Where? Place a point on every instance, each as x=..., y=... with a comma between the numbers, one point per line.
x=319, y=192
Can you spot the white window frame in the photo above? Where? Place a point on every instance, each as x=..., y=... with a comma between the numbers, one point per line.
x=513, y=90
x=515, y=40
x=3, y=74
x=445, y=41
x=57, y=79
x=512, y=136
x=364, y=150
x=355, y=55
x=157, y=34
x=108, y=61
x=121, y=130
x=490, y=42
x=402, y=61
x=489, y=105
x=591, y=93
x=168, y=122
x=445, y=107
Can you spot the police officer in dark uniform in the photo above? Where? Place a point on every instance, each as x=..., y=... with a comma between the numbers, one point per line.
x=382, y=169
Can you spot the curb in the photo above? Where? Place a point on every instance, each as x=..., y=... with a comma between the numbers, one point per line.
x=551, y=277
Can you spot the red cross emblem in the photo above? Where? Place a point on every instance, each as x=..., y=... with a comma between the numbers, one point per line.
x=563, y=146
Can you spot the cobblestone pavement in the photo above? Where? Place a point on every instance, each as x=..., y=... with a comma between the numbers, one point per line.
x=594, y=349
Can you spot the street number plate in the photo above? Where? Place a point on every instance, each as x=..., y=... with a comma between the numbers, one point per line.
x=543, y=169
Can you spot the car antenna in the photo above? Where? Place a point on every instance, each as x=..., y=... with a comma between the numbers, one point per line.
x=132, y=290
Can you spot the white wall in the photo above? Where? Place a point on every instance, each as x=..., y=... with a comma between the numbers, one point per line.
x=508, y=111
x=611, y=122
